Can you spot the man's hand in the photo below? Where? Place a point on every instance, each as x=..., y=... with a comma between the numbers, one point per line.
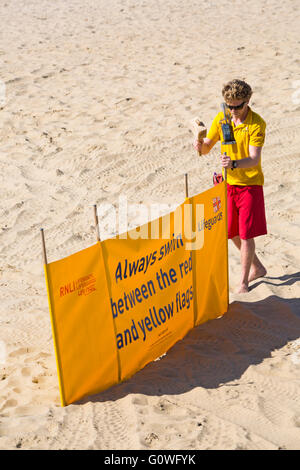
x=203, y=146
x=197, y=144
x=249, y=162
x=226, y=161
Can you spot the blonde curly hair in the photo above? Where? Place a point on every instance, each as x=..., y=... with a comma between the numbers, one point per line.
x=236, y=90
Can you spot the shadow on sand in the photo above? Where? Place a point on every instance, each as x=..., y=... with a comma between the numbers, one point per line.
x=286, y=280
x=218, y=351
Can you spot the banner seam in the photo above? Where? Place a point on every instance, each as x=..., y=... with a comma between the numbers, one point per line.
x=107, y=278
x=55, y=336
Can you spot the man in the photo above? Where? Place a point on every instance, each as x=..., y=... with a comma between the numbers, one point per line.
x=246, y=209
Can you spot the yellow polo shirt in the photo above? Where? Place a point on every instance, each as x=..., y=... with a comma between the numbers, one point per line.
x=250, y=132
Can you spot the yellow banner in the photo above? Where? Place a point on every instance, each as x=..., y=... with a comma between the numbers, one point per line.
x=151, y=291
x=211, y=262
x=124, y=302
x=82, y=327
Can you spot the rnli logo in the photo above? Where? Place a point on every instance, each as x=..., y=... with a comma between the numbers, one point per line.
x=83, y=286
x=216, y=204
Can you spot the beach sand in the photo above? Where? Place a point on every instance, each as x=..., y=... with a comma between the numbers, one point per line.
x=98, y=99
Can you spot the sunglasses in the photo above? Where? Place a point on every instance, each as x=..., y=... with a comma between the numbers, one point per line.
x=239, y=106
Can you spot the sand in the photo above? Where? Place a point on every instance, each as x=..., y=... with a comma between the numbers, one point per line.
x=98, y=97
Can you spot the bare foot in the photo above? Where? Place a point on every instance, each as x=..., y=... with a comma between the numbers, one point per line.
x=256, y=273
x=243, y=289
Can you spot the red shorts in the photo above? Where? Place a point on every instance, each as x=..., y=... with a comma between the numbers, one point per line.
x=246, y=211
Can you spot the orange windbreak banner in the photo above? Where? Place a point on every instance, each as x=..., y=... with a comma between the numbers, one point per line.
x=82, y=326
x=122, y=303
x=211, y=262
x=150, y=284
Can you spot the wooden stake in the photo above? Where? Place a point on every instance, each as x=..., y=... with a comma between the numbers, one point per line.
x=225, y=171
x=44, y=246
x=186, y=186
x=97, y=223
x=226, y=228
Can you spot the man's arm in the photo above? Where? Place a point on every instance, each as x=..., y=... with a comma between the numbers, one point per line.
x=249, y=162
x=204, y=146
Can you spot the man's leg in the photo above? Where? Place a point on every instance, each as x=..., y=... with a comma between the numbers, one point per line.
x=247, y=255
x=257, y=269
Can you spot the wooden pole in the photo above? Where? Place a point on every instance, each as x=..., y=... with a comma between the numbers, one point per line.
x=53, y=323
x=44, y=246
x=186, y=186
x=225, y=170
x=97, y=223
